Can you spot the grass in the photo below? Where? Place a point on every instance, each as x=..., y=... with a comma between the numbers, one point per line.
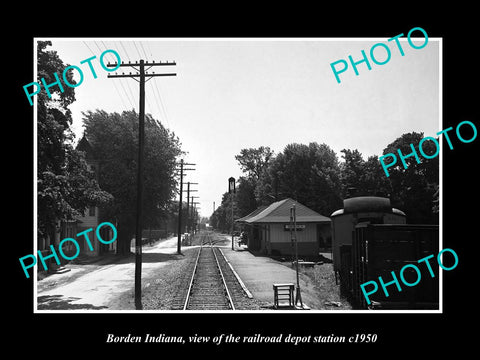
x=322, y=278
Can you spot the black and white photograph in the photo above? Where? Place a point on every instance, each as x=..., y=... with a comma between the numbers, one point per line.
x=294, y=191
x=258, y=205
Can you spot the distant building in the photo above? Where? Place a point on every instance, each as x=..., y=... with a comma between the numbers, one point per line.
x=90, y=218
x=269, y=229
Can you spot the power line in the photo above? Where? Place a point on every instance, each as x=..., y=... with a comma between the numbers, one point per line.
x=163, y=108
x=131, y=98
x=126, y=90
x=125, y=107
x=128, y=83
x=115, y=86
x=98, y=47
x=124, y=50
x=152, y=84
x=156, y=98
x=144, y=52
x=88, y=47
x=137, y=49
x=128, y=97
x=113, y=58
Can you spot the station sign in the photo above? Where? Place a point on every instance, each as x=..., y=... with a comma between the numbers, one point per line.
x=299, y=227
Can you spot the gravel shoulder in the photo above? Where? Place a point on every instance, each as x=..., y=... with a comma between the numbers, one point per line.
x=164, y=290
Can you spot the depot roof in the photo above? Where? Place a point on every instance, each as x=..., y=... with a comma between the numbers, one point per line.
x=252, y=214
x=279, y=212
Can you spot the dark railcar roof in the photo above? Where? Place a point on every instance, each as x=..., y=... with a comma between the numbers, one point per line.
x=367, y=204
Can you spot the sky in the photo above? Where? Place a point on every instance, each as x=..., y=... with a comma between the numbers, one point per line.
x=230, y=94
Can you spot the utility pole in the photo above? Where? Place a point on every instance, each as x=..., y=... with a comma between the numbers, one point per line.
x=179, y=230
x=293, y=223
x=140, y=67
x=231, y=190
x=188, y=203
x=193, y=208
x=180, y=205
x=195, y=213
x=188, y=222
x=188, y=208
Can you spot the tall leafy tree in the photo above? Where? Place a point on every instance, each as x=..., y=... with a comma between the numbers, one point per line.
x=245, y=196
x=413, y=189
x=114, y=139
x=65, y=186
x=375, y=183
x=309, y=174
x=221, y=218
x=253, y=162
x=352, y=171
x=362, y=178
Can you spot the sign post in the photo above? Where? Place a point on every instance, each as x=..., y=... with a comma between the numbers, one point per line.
x=231, y=191
x=293, y=234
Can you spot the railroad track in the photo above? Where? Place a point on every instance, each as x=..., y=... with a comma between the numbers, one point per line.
x=208, y=288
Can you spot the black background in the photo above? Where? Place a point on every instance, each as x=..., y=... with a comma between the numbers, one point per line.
x=398, y=334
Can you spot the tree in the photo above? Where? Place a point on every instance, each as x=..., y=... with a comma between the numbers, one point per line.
x=253, y=161
x=374, y=180
x=352, y=172
x=65, y=186
x=221, y=218
x=413, y=189
x=114, y=140
x=309, y=174
x=245, y=196
x=362, y=178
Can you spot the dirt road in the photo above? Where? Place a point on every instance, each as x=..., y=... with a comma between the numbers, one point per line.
x=98, y=285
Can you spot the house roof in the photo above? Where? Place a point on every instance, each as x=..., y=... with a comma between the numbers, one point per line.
x=84, y=145
x=279, y=212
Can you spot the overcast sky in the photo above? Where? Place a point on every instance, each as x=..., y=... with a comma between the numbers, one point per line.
x=231, y=94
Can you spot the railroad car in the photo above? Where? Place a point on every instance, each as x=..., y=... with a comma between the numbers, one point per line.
x=370, y=239
x=371, y=209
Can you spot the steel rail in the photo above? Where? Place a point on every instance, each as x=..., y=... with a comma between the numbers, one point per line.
x=223, y=280
x=189, y=292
